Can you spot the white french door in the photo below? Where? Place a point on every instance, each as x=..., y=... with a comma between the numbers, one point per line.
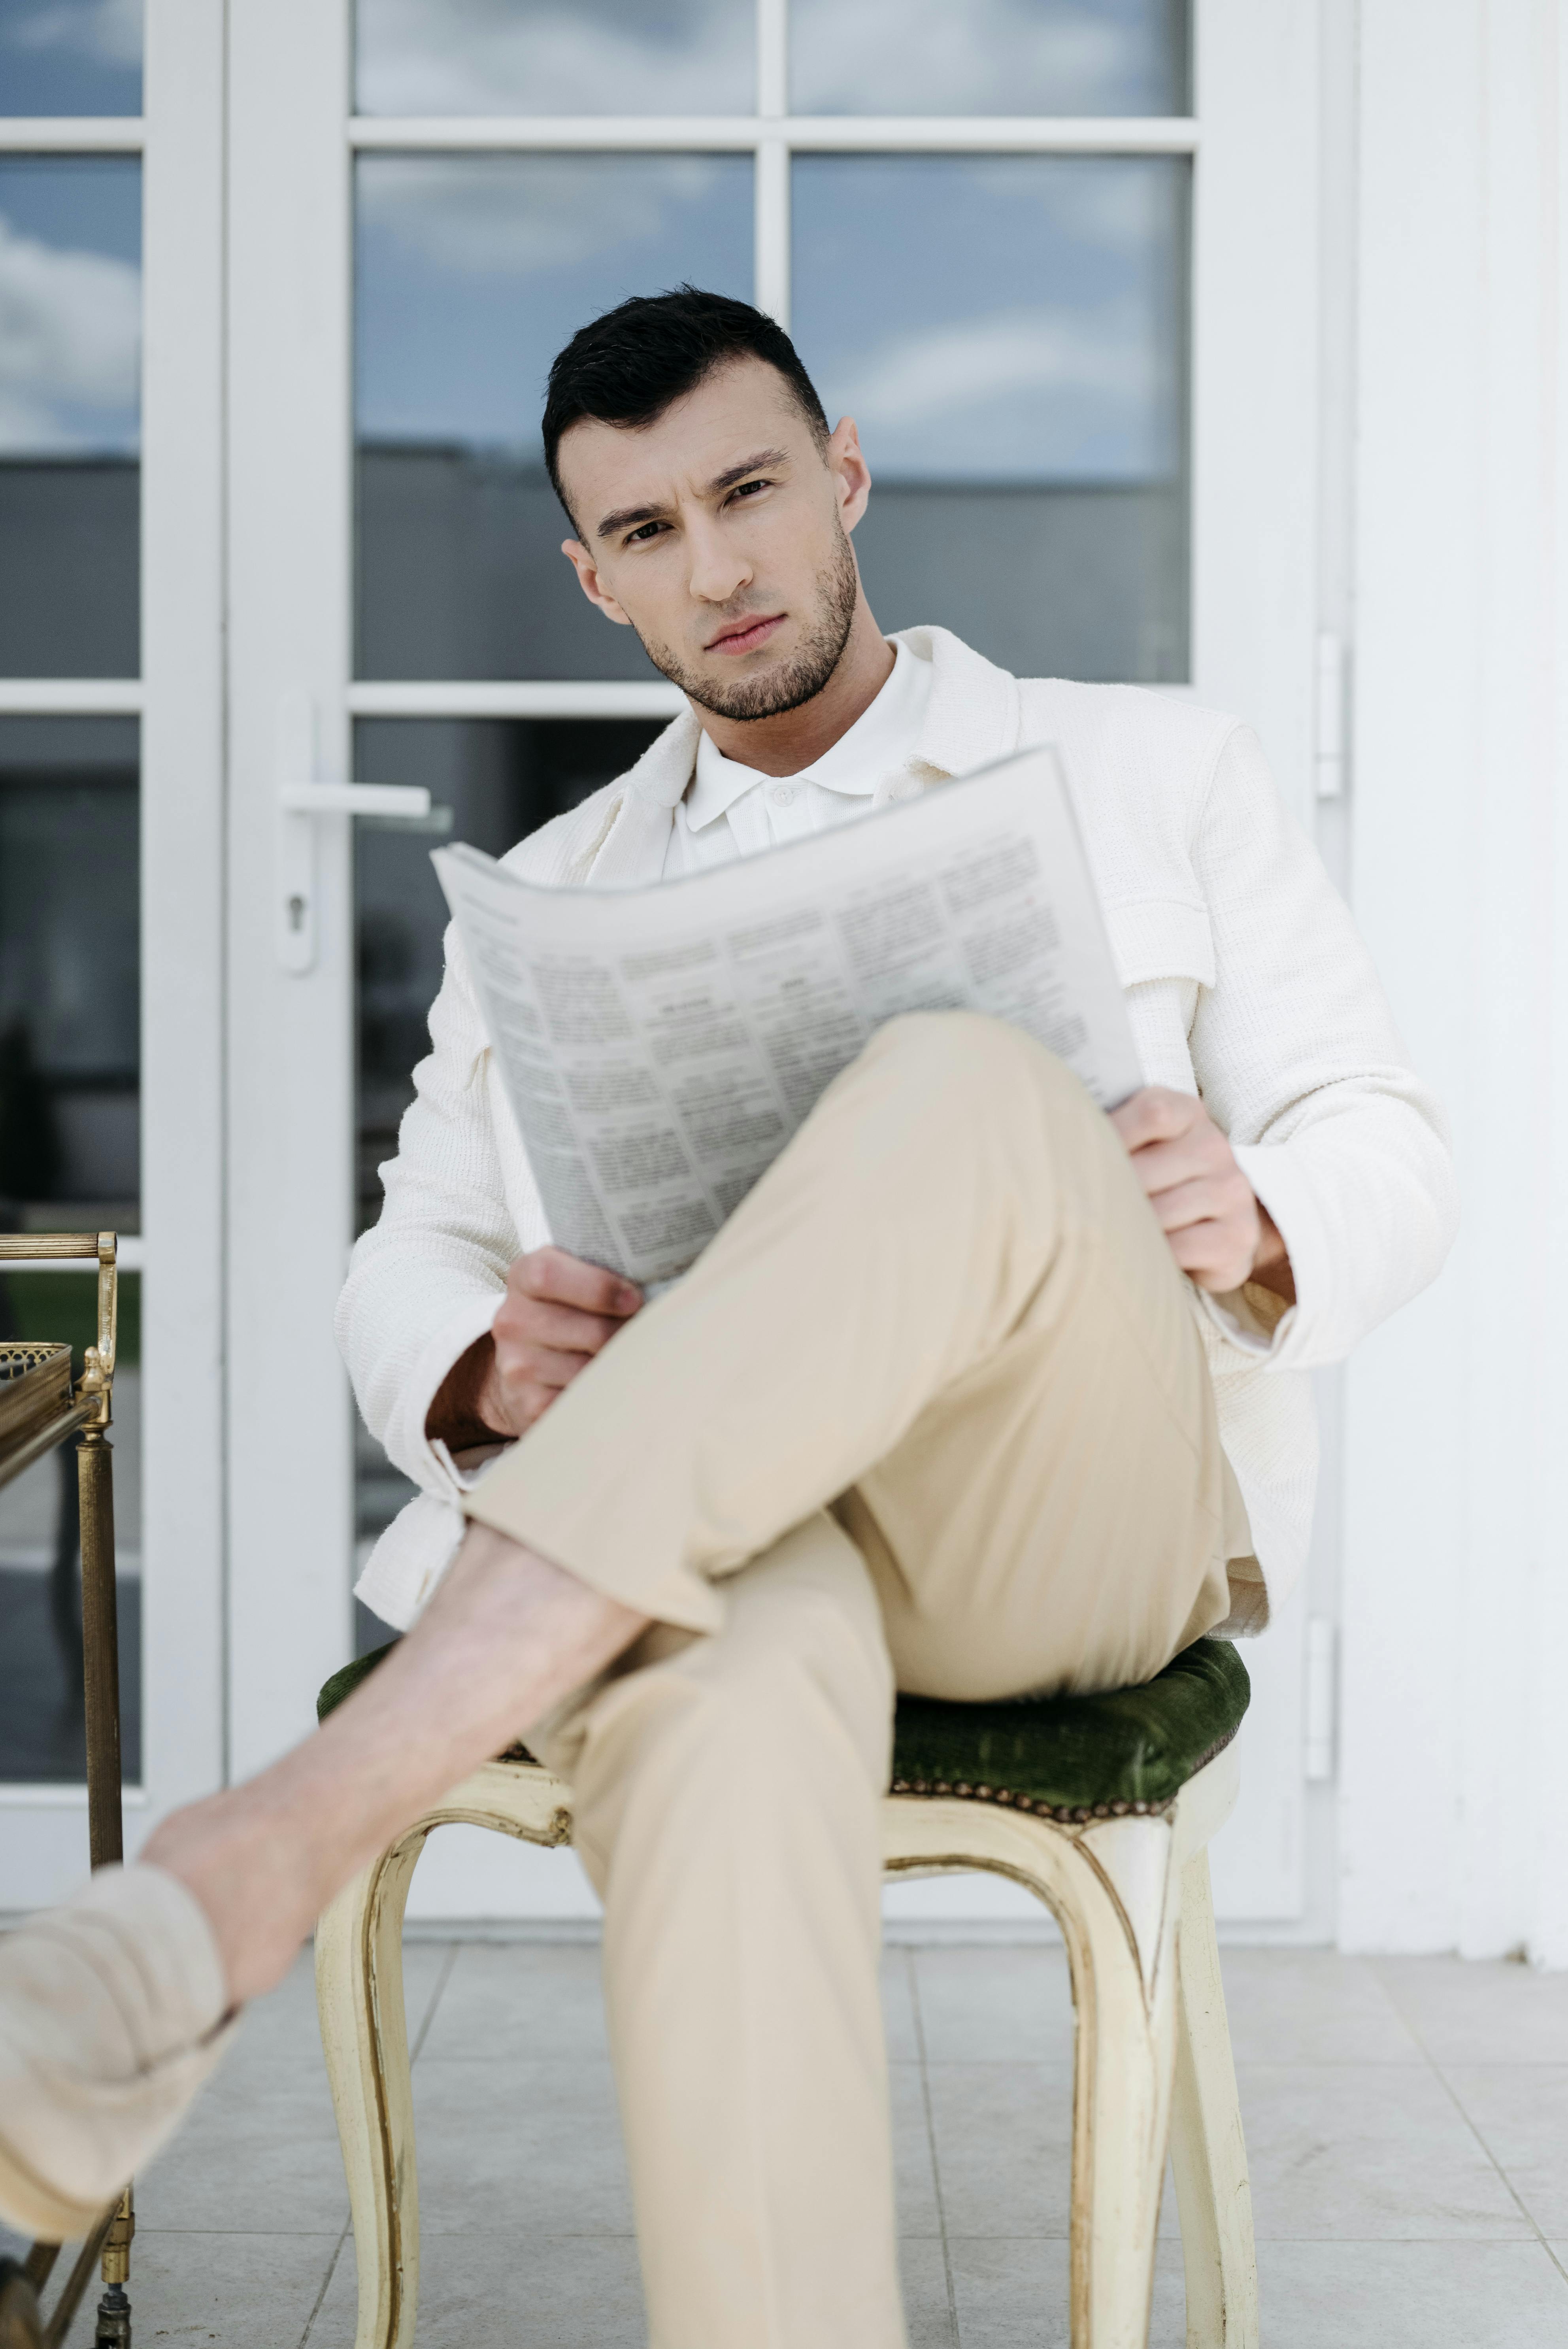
x=1115, y=295
x=111, y=768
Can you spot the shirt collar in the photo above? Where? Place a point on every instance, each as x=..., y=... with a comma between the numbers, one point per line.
x=882, y=738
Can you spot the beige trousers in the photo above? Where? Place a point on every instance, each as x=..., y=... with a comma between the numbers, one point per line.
x=930, y=1414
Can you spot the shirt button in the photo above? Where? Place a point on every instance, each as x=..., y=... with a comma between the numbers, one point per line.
x=783, y=795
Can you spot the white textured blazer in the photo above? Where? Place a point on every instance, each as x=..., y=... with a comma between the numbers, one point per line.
x=1246, y=982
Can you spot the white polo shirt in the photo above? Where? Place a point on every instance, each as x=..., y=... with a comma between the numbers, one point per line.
x=730, y=810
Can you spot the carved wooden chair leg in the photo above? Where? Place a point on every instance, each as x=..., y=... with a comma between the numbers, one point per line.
x=365, y=2036
x=1110, y=1886
x=1207, y=2148
x=1116, y=1907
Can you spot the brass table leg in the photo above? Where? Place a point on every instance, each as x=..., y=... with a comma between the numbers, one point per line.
x=114, y=2309
x=105, y=1831
x=100, y=1647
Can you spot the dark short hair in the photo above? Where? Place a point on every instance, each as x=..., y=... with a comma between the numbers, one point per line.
x=627, y=367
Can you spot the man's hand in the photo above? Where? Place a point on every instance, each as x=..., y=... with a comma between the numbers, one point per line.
x=555, y=1316
x=1219, y=1230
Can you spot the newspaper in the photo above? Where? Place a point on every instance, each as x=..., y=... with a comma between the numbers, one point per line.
x=659, y=1045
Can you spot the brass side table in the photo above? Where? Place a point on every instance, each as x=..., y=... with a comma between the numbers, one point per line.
x=40, y=1409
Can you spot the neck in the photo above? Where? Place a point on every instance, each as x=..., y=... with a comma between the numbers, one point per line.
x=797, y=737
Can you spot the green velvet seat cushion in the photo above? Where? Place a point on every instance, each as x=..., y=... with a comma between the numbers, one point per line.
x=1062, y=1757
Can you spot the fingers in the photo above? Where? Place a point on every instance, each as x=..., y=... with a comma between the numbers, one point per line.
x=1204, y=1202
x=1156, y=1114
x=544, y=1366
x=557, y=1314
x=525, y=1403
x=553, y=1276
x=532, y=1322
x=1212, y=1255
x=1200, y=1155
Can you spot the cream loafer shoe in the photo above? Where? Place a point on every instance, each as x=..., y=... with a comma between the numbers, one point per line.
x=112, y=2014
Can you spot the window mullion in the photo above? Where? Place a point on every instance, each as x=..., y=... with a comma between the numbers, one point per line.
x=772, y=291
x=772, y=58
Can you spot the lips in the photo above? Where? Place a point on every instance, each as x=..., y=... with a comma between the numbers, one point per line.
x=749, y=637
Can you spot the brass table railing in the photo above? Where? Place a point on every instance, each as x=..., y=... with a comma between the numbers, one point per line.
x=40, y=1409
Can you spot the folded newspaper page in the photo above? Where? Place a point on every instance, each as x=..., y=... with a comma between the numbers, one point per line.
x=659, y=1045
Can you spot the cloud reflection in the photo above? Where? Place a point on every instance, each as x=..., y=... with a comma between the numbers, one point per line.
x=106, y=32
x=533, y=57
x=516, y=215
x=70, y=338
x=987, y=56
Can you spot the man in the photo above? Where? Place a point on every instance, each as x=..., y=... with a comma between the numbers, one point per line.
x=978, y=1392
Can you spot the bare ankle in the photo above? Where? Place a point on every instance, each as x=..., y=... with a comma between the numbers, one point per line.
x=249, y=1881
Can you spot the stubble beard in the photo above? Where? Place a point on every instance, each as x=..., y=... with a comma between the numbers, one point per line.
x=804, y=675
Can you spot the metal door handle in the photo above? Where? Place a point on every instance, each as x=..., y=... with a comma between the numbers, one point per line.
x=409, y=800
x=300, y=802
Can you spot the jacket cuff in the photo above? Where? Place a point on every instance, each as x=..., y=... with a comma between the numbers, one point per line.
x=1252, y=1317
x=407, y=1446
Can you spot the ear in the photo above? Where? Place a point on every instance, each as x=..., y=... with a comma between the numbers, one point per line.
x=587, y=572
x=851, y=474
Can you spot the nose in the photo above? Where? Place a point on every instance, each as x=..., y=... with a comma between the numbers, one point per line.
x=718, y=571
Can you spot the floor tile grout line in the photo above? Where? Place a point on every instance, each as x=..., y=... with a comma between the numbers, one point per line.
x=1453, y=2094
x=443, y=1978
x=913, y=1979
x=325, y=2281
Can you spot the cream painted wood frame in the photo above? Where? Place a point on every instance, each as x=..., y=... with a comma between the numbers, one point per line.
x=1152, y=2067
x=179, y=699
x=293, y=140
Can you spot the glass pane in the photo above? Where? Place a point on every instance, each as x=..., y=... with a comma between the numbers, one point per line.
x=71, y=337
x=555, y=57
x=70, y=57
x=988, y=56
x=1016, y=363
x=42, y=1738
x=70, y=941
x=473, y=271
x=492, y=781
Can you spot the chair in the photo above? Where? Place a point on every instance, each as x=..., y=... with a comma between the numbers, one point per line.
x=1102, y=1806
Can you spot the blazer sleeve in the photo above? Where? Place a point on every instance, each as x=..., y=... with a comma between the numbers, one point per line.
x=1299, y=1061
x=425, y=1281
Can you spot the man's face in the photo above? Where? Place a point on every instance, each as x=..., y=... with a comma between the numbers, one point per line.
x=719, y=533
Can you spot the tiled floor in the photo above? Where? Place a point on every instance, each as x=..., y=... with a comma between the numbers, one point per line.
x=1407, y=2121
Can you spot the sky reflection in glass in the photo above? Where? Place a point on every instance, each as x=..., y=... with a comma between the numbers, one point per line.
x=988, y=56
x=555, y=57
x=474, y=270
x=1022, y=322
x=70, y=304
x=70, y=57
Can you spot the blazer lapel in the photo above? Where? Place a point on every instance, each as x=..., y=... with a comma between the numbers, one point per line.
x=974, y=713
x=632, y=849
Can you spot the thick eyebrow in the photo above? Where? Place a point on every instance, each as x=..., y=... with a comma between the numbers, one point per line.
x=764, y=456
x=628, y=517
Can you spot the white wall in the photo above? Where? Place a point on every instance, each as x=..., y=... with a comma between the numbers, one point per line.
x=1456, y=1581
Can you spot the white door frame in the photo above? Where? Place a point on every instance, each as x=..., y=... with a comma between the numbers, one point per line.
x=179, y=699
x=290, y=551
